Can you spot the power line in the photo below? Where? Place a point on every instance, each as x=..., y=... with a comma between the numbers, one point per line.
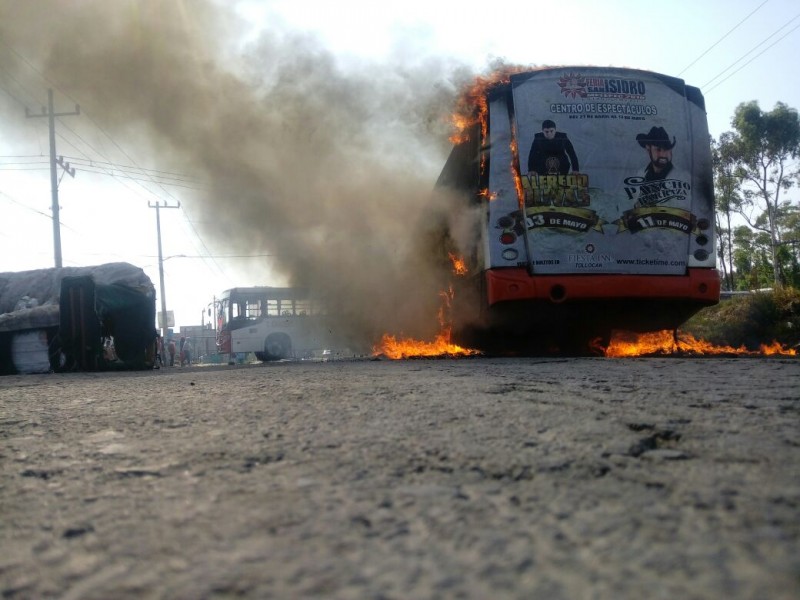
x=94, y=122
x=11, y=95
x=66, y=140
x=102, y=165
x=40, y=160
x=38, y=212
x=221, y=256
x=707, y=90
x=129, y=177
x=31, y=168
x=734, y=28
x=152, y=180
x=146, y=177
x=17, y=202
x=22, y=155
x=31, y=96
x=158, y=172
x=121, y=170
x=124, y=174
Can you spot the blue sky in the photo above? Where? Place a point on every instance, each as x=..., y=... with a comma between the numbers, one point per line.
x=734, y=50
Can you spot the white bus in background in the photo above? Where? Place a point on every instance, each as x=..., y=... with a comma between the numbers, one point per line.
x=273, y=323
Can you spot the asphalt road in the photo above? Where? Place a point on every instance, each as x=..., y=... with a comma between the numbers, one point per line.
x=474, y=478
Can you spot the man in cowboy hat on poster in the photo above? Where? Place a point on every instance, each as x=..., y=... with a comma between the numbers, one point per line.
x=659, y=148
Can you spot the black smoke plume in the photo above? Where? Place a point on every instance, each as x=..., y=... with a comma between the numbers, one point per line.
x=326, y=166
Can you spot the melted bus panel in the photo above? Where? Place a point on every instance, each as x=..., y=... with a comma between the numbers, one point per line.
x=601, y=213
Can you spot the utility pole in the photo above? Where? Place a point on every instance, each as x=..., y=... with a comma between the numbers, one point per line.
x=51, y=115
x=158, y=206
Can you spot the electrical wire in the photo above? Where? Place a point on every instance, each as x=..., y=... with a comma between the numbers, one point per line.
x=714, y=45
x=706, y=89
x=146, y=177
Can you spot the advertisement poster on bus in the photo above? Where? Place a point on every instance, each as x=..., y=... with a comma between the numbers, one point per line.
x=604, y=159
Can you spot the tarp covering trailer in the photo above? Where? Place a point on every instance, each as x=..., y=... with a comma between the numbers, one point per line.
x=80, y=318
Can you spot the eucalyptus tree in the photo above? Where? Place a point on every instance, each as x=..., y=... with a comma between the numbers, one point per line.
x=762, y=152
x=729, y=203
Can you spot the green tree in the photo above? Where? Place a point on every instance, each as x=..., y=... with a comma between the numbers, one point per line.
x=761, y=151
x=789, y=250
x=729, y=202
x=751, y=258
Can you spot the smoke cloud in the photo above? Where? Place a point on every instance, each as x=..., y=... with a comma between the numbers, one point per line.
x=328, y=167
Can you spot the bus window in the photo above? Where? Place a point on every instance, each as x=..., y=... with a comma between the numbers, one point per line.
x=286, y=307
x=252, y=309
x=302, y=307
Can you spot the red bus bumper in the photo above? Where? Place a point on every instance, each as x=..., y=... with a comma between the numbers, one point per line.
x=699, y=286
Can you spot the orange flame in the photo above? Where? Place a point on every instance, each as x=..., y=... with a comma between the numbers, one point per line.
x=399, y=348
x=517, y=179
x=472, y=107
x=485, y=193
x=459, y=264
x=461, y=124
x=627, y=344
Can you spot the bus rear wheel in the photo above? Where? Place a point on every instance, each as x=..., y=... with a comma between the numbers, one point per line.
x=277, y=346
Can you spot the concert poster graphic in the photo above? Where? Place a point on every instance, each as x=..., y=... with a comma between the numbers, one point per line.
x=605, y=173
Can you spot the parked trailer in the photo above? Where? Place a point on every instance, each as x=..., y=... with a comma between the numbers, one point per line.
x=77, y=318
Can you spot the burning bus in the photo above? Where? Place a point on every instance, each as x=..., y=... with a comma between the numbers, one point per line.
x=594, y=199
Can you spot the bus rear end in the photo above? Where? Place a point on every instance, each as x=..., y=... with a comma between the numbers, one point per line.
x=598, y=209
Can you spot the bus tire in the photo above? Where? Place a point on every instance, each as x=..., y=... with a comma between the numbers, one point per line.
x=277, y=346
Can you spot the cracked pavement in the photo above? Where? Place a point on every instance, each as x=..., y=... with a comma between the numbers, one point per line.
x=473, y=478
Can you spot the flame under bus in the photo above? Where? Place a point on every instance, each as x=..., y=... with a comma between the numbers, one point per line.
x=272, y=322
x=594, y=190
